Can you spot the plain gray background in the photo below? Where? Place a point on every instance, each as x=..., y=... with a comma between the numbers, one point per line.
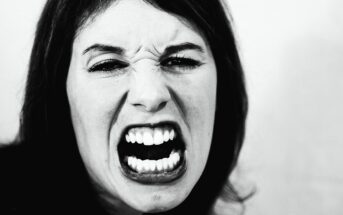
x=292, y=52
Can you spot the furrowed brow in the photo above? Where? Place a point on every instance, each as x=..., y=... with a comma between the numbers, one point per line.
x=181, y=47
x=104, y=48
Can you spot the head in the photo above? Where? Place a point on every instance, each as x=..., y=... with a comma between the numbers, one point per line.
x=149, y=94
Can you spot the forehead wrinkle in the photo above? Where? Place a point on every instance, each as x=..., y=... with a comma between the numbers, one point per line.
x=156, y=51
x=138, y=50
x=155, y=43
x=142, y=53
x=165, y=42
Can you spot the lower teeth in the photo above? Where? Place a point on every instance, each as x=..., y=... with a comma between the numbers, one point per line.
x=154, y=166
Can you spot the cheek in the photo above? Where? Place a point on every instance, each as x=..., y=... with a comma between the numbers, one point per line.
x=88, y=110
x=84, y=123
x=201, y=118
x=200, y=102
x=92, y=111
x=94, y=103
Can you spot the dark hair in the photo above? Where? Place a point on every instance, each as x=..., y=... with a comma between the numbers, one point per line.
x=46, y=129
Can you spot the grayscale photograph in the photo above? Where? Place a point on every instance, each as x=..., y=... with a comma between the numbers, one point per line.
x=171, y=107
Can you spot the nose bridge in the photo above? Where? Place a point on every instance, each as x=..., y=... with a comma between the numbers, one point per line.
x=148, y=89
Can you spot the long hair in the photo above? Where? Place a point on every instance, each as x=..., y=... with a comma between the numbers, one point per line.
x=46, y=129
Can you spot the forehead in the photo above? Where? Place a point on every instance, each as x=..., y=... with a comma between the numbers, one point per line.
x=134, y=23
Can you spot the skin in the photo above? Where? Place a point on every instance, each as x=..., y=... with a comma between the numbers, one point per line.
x=103, y=103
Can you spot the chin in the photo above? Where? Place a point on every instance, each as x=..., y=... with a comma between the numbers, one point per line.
x=158, y=206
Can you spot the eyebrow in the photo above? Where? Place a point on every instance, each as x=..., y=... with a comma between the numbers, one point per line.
x=104, y=48
x=182, y=47
x=168, y=51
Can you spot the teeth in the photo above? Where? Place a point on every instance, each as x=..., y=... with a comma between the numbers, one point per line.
x=145, y=165
x=139, y=165
x=148, y=166
x=159, y=165
x=134, y=163
x=166, y=135
x=149, y=136
x=176, y=158
x=171, y=134
x=132, y=137
x=127, y=137
x=152, y=165
x=129, y=161
x=170, y=163
x=165, y=163
x=158, y=136
x=139, y=137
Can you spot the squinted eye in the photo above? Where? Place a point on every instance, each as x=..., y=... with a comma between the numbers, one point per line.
x=180, y=63
x=108, y=66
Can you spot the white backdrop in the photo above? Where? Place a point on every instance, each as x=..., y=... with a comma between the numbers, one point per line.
x=292, y=52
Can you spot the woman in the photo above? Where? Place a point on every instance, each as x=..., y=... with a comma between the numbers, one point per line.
x=131, y=107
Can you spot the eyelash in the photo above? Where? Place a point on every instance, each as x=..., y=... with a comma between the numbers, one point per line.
x=179, y=62
x=108, y=66
x=174, y=63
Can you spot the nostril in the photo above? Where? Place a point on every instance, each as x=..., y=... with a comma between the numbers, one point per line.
x=162, y=105
x=151, y=107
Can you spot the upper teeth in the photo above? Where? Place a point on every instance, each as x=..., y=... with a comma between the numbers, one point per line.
x=150, y=136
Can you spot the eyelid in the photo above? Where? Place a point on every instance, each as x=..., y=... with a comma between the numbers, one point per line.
x=98, y=56
x=182, y=56
x=119, y=65
x=180, y=63
x=192, y=54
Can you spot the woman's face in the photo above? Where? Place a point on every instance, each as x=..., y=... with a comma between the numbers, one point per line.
x=142, y=88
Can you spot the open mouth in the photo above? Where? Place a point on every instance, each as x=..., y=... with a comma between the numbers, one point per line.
x=152, y=154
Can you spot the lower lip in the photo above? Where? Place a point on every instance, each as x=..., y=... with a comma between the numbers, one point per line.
x=155, y=178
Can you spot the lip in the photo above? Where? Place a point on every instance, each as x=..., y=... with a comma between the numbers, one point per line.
x=155, y=178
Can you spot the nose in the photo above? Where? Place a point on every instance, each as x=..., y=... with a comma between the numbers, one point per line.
x=148, y=91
